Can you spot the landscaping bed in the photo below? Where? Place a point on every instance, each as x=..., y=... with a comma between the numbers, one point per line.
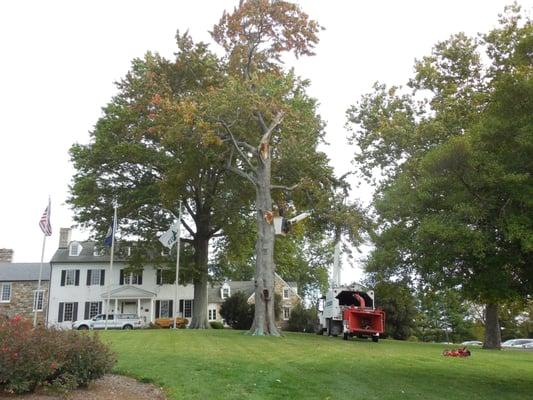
x=110, y=387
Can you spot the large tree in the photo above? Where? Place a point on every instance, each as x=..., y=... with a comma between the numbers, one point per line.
x=454, y=203
x=280, y=153
x=147, y=154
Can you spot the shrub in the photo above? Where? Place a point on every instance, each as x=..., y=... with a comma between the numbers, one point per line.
x=302, y=319
x=216, y=325
x=181, y=323
x=40, y=357
x=237, y=312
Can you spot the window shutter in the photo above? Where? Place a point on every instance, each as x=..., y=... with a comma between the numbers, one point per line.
x=121, y=277
x=75, y=312
x=170, y=310
x=63, y=276
x=89, y=278
x=99, y=307
x=181, y=306
x=157, y=307
x=60, y=315
x=77, y=282
x=102, y=277
x=140, y=280
x=159, y=277
x=87, y=305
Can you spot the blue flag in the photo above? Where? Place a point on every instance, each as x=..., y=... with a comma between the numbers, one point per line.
x=109, y=237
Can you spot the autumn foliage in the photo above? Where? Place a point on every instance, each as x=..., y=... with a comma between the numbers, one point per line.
x=30, y=357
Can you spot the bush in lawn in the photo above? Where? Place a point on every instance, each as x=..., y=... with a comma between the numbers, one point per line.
x=216, y=325
x=302, y=319
x=44, y=357
x=237, y=312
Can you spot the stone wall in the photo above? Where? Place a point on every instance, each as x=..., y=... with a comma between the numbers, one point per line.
x=6, y=255
x=22, y=301
x=291, y=302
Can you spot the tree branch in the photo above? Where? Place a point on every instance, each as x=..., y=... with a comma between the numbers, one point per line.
x=246, y=159
x=261, y=121
x=287, y=188
x=277, y=120
x=189, y=229
x=189, y=210
x=241, y=173
x=212, y=232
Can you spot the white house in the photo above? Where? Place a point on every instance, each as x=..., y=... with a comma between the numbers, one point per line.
x=80, y=279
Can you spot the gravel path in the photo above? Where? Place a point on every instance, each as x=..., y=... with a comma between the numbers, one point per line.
x=110, y=387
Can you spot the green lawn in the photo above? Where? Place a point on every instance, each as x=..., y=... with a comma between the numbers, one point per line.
x=226, y=364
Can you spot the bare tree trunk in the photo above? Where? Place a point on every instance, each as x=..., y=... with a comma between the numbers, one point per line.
x=199, y=312
x=264, y=319
x=493, y=336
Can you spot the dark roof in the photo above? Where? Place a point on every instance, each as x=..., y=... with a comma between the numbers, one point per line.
x=23, y=271
x=213, y=292
x=87, y=254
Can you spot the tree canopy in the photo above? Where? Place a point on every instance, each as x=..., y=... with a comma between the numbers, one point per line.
x=454, y=202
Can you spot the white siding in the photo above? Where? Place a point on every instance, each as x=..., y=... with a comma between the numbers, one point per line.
x=83, y=293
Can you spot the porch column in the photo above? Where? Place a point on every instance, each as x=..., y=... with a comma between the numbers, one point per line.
x=116, y=306
x=139, y=308
x=152, y=310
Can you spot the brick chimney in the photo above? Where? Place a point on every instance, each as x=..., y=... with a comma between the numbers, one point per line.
x=6, y=255
x=64, y=237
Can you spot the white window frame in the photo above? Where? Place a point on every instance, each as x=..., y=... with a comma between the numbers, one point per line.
x=96, y=274
x=225, y=288
x=38, y=300
x=187, y=308
x=286, y=313
x=94, y=306
x=65, y=311
x=128, y=278
x=167, y=309
x=3, y=290
x=74, y=249
x=70, y=277
x=212, y=314
x=286, y=293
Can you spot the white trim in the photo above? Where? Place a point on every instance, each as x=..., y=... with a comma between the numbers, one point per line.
x=36, y=301
x=2, y=285
x=79, y=248
x=223, y=288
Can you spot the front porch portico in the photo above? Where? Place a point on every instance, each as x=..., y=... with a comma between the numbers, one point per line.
x=131, y=300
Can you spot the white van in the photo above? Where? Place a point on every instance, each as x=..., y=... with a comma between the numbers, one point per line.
x=115, y=321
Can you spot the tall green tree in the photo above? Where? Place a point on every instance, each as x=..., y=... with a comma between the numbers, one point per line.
x=399, y=303
x=146, y=153
x=454, y=204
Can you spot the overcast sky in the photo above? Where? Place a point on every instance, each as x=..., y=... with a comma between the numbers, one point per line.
x=60, y=60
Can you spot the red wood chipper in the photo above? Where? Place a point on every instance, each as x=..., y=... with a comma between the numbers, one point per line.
x=362, y=321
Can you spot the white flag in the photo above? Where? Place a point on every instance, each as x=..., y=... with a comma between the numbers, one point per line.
x=170, y=237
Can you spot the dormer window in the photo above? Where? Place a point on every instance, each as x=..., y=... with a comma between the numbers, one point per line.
x=98, y=251
x=75, y=249
x=225, y=291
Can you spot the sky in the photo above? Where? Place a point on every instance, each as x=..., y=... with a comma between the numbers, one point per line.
x=60, y=59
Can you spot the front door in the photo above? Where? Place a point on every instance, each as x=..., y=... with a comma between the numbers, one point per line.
x=128, y=307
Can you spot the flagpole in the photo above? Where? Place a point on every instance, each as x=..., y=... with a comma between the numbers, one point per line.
x=115, y=205
x=36, y=295
x=176, y=303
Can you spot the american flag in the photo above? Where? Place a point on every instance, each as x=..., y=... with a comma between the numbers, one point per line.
x=44, y=223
